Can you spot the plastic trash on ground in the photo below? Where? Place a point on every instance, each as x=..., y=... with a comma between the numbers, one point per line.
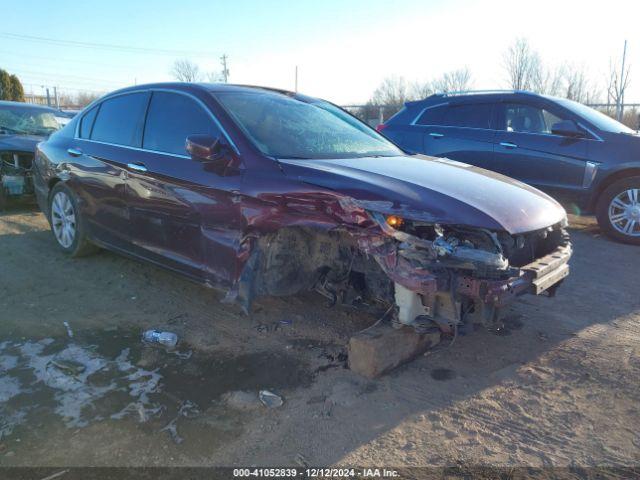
x=270, y=399
x=168, y=339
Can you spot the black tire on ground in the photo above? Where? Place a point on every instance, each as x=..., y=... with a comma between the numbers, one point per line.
x=602, y=210
x=80, y=246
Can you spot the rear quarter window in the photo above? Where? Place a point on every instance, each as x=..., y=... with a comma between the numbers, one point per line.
x=432, y=116
x=86, y=123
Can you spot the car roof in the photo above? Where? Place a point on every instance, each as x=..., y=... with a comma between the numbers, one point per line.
x=207, y=87
x=34, y=106
x=479, y=96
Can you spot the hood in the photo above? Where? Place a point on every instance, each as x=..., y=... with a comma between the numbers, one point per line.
x=433, y=190
x=20, y=143
x=625, y=140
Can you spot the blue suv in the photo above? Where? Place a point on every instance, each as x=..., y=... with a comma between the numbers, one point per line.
x=580, y=156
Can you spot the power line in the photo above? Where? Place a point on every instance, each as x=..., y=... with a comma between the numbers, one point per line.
x=41, y=80
x=66, y=77
x=105, y=46
x=59, y=60
x=48, y=79
x=33, y=86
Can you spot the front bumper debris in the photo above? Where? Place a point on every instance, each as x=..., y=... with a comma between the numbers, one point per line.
x=535, y=278
x=549, y=270
x=445, y=304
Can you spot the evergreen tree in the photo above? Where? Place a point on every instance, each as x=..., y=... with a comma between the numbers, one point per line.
x=6, y=86
x=17, y=91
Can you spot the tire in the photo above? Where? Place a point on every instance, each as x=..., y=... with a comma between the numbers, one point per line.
x=66, y=222
x=618, y=210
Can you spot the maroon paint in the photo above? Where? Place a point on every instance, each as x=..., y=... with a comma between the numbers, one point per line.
x=203, y=220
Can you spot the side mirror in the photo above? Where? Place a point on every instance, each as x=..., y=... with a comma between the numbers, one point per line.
x=205, y=148
x=567, y=128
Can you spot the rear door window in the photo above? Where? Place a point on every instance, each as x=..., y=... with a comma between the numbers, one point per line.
x=120, y=120
x=473, y=115
x=172, y=117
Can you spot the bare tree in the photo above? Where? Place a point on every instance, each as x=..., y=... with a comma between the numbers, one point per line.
x=387, y=99
x=453, y=81
x=420, y=90
x=78, y=100
x=578, y=86
x=526, y=71
x=185, y=70
x=393, y=91
x=85, y=98
x=546, y=81
x=618, y=83
x=523, y=65
x=214, y=77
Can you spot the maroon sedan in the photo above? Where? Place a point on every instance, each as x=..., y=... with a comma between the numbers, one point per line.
x=264, y=192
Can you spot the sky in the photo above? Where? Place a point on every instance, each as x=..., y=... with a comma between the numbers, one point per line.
x=343, y=48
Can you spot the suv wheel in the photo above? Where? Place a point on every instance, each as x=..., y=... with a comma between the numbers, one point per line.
x=618, y=210
x=66, y=223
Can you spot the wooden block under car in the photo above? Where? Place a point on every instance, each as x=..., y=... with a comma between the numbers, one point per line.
x=381, y=348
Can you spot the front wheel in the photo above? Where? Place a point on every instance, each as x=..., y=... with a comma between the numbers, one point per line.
x=66, y=223
x=618, y=210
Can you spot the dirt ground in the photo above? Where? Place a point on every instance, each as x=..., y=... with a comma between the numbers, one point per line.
x=558, y=387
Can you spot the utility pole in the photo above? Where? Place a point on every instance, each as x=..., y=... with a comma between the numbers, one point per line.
x=48, y=98
x=55, y=97
x=620, y=106
x=296, y=90
x=225, y=70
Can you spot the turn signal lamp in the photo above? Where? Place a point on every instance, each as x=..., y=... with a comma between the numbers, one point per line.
x=394, y=221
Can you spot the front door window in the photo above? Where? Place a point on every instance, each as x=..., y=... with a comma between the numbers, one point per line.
x=528, y=119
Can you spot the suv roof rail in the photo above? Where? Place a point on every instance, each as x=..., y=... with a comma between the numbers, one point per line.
x=480, y=92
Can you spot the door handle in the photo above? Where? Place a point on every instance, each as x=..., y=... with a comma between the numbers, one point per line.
x=436, y=135
x=74, y=152
x=508, y=145
x=139, y=167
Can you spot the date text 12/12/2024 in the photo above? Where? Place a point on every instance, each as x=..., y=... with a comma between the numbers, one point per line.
x=315, y=473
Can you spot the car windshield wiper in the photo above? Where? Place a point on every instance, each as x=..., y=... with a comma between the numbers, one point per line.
x=44, y=131
x=10, y=130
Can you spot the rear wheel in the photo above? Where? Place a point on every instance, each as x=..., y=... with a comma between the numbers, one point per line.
x=66, y=222
x=618, y=210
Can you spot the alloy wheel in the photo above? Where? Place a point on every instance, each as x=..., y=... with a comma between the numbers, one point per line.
x=624, y=212
x=63, y=219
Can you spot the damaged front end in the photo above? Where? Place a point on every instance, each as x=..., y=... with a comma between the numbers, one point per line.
x=445, y=275
x=453, y=275
x=15, y=175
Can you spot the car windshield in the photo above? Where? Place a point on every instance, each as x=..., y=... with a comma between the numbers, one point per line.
x=600, y=120
x=285, y=127
x=27, y=120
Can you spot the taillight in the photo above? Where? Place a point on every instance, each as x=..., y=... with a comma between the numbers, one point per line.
x=380, y=127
